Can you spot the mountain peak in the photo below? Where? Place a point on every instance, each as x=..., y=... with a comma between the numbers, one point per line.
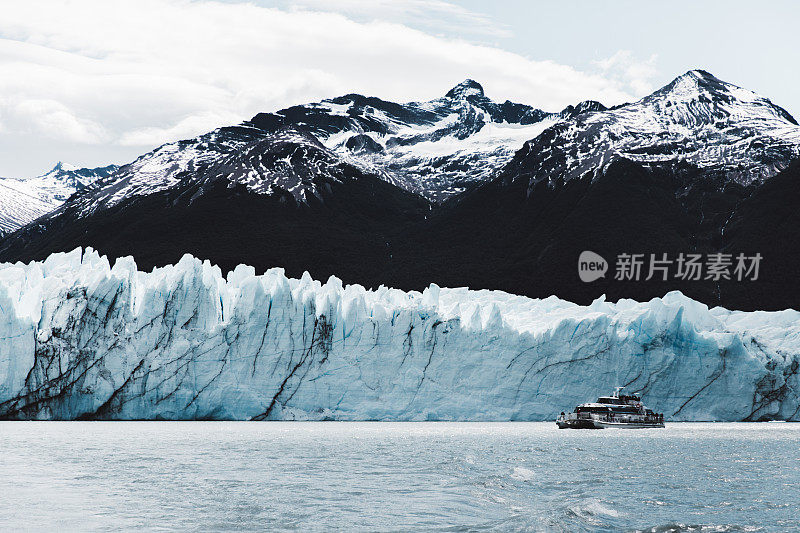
x=696, y=82
x=63, y=167
x=466, y=88
x=703, y=86
x=583, y=107
x=700, y=74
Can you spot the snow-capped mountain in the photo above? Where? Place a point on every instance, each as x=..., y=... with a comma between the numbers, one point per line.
x=696, y=120
x=435, y=148
x=24, y=200
x=279, y=197
x=82, y=339
x=440, y=147
x=699, y=166
x=64, y=179
x=285, y=162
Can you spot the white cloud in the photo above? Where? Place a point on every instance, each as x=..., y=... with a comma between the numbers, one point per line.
x=630, y=72
x=141, y=72
x=435, y=15
x=186, y=128
x=54, y=120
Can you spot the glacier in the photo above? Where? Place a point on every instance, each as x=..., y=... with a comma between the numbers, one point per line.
x=82, y=339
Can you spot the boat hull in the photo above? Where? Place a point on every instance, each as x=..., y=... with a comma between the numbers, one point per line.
x=585, y=423
x=577, y=424
x=629, y=425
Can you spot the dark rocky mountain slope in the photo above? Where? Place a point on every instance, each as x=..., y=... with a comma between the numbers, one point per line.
x=698, y=167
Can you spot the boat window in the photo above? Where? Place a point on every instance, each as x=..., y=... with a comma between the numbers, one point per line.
x=612, y=401
x=592, y=410
x=625, y=409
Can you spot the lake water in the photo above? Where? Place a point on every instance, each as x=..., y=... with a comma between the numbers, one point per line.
x=397, y=477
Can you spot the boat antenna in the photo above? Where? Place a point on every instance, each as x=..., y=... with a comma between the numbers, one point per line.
x=617, y=390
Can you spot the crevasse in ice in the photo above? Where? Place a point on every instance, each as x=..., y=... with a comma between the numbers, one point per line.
x=82, y=339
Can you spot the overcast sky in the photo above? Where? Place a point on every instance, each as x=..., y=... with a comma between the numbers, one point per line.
x=93, y=82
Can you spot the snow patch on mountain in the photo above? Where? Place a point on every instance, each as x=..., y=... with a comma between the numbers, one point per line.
x=21, y=203
x=169, y=164
x=289, y=160
x=435, y=148
x=696, y=119
x=464, y=139
x=80, y=338
x=23, y=200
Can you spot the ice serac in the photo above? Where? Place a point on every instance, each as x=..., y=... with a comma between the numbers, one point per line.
x=84, y=339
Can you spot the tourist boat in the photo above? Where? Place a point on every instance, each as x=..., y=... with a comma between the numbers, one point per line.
x=615, y=411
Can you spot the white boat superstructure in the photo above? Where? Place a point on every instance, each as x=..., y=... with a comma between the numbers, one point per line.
x=618, y=410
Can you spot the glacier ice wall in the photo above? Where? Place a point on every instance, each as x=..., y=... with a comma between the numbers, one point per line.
x=82, y=339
